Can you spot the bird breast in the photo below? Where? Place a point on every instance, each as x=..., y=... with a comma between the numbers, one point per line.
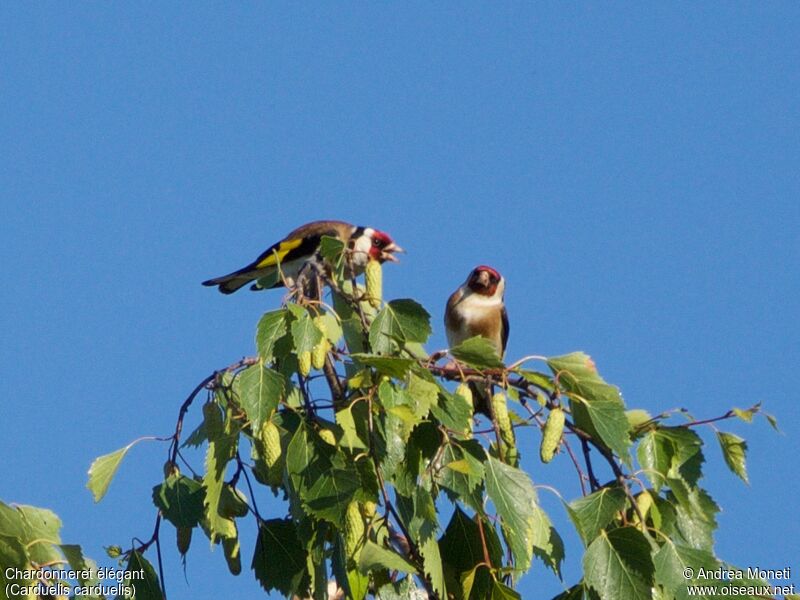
x=473, y=315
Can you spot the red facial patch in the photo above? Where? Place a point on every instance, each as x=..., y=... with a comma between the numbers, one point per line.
x=489, y=270
x=483, y=280
x=379, y=241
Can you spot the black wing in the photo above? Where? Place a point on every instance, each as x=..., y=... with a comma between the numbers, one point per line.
x=505, y=328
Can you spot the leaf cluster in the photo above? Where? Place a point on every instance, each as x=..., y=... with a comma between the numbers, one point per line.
x=392, y=485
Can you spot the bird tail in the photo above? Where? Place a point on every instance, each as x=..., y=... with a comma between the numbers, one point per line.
x=230, y=283
x=481, y=398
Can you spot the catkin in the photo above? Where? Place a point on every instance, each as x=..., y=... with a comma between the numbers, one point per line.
x=320, y=351
x=374, y=279
x=271, y=439
x=304, y=363
x=353, y=528
x=368, y=509
x=500, y=408
x=466, y=393
x=551, y=435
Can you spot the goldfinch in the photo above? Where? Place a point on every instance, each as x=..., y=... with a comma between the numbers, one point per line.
x=477, y=308
x=301, y=246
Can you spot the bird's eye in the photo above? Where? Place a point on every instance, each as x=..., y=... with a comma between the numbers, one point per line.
x=377, y=243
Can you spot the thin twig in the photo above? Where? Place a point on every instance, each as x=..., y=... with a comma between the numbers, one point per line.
x=593, y=483
x=581, y=475
x=727, y=415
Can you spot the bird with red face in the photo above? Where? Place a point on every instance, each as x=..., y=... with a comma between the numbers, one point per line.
x=477, y=309
x=282, y=262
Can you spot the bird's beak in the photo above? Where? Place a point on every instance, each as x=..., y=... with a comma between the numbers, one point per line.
x=387, y=252
x=483, y=278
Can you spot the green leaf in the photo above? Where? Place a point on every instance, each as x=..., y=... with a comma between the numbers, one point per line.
x=141, y=578
x=316, y=565
x=78, y=562
x=547, y=544
x=501, y=591
x=578, y=365
x=37, y=528
x=333, y=330
x=393, y=433
x=261, y=390
x=355, y=584
x=221, y=450
x=423, y=395
x=538, y=379
x=617, y=564
x=103, y=470
x=374, y=556
x=597, y=407
x=271, y=328
x=327, y=497
x=11, y=522
x=734, y=450
x=279, y=560
x=671, y=452
x=413, y=319
x=385, y=333
x=462, y=472
x=392, y=366
x=354, y=335
x=605, y=417
x=352, y=432
x=399, y=321
x=268, y=281
x=12, y=554
x=403, y=590
x=461, y=549
x=655, y=454
x=180, y=500
x=467, y=581
x=593, y=512
x=688, y=457
x=578, y=592
x=478, y=352
x=305, y=334
x=695, y=515
x=331, y=249
x=324, y=486
x=197, y=437
x=772, y=421
x=453, y=412
x=432, y=562
x=514, y=497
x=418, y=512
x=671, y=561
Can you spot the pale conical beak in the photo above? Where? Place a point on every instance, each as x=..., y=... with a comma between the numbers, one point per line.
x=387, y=252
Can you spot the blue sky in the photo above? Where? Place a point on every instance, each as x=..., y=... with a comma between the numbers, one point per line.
x=632, y=171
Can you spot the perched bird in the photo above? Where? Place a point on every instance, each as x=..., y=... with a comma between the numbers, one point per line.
x=477, y=309
x=301, y=246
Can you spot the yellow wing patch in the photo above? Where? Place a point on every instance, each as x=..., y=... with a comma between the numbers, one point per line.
x=278, y=253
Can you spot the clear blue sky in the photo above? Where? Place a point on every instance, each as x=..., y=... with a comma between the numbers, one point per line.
x=632, y=172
